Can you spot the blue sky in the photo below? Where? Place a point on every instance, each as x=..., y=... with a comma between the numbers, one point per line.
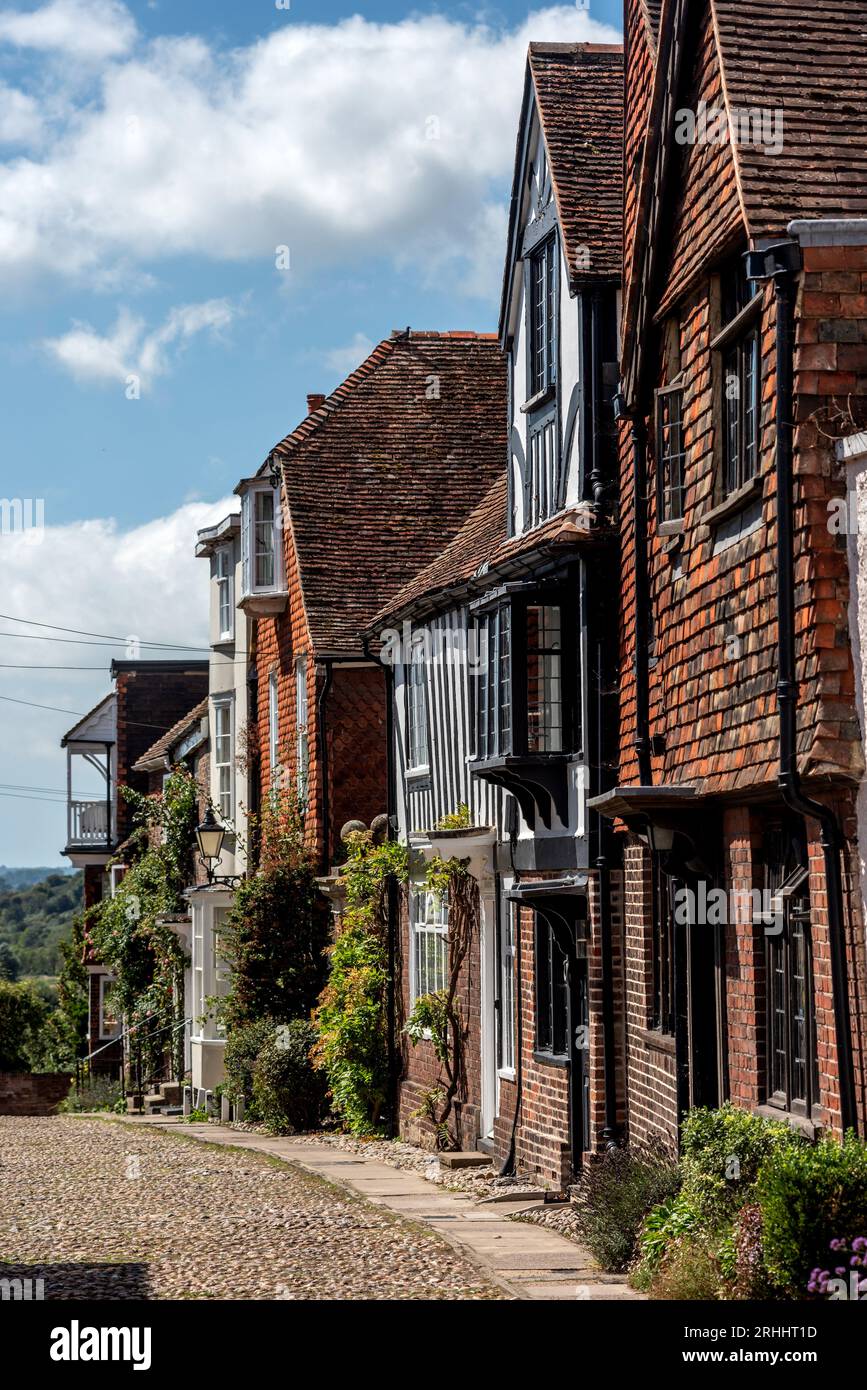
x=154, y=157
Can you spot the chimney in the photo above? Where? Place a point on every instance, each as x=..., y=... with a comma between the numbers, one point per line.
x=314, y=401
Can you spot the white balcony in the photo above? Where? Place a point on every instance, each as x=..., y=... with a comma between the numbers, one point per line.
x=88, y=825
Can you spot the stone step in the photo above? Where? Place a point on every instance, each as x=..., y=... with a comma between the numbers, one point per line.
x=466, y=1158
x=171, y=1092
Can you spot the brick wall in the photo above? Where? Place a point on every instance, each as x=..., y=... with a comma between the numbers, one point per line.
x=355, y=720
x=36, y=1093
x=150, y=702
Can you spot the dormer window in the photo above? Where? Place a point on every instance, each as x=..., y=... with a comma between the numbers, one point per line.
x=262, y=580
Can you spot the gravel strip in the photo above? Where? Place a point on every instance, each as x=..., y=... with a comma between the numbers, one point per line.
x=478, y=1182
x=100, y=1211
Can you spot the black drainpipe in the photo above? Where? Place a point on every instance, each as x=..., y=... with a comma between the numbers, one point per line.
x=642, y=605
x=786, y=263
x=323, y=763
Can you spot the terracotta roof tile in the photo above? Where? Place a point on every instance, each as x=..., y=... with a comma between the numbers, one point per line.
x=161, y=748
x=482, y=545
x=384, y=474
x=579, y=93
x=807, y=58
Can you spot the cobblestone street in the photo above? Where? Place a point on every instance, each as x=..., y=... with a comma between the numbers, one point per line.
x=100, y=1211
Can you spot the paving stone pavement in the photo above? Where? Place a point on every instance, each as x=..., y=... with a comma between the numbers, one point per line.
x=527, y=1261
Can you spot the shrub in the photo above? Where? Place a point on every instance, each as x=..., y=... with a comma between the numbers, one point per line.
x=746, y=1266
x=808, y=1194
x=288, y=1095
x=690, y=1271
x=98, y=1093
x=722, y=1152
x=22, y=1016
x=615, y=1193
x=669, y=1222
x=243, y=1045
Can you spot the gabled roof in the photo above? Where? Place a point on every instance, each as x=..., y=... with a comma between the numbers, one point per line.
x=807, y=58
x=577, y=89
x=802, y=60
x=78, y=732
x=157, y=756
x=382, y=475
x=481, y=549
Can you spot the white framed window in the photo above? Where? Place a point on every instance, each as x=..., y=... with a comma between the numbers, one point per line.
x=302, y=737
x=429, y=918
x=417, y=752
x=507, y=987
x=225, y=578
x=273, y=725
x=260, y=541
x=198, y=956
x=109, y=1023
x=116, y=875
x=220, y=973
x=223, y=758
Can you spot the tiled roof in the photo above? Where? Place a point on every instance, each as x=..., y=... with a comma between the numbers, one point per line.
x=160, y=750
x=809, y=59
x=579, y=94
x=482, y=542
x=383, y=475
x=651, y=10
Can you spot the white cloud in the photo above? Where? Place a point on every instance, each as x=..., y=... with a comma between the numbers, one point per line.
x=93, y=30
x=129, y=349
x=143, y=582
x=20, y=120
x=342, y=141
x=343, y=360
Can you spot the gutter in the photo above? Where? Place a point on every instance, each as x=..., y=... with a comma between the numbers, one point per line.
x=782, y=263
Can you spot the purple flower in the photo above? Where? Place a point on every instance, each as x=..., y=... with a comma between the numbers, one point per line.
x=860, y=1244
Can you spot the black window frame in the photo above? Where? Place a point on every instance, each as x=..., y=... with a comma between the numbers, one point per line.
x=551, y=993
x=663, y=895
x=542, y=316
x=488, y=742
x=670, y=462
x=739, y=350
x=785, y=860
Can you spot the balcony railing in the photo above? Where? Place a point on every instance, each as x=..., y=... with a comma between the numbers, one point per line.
x=88, y=823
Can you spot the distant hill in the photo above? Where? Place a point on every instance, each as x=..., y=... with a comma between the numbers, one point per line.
x=35, y=916
x=25, y=878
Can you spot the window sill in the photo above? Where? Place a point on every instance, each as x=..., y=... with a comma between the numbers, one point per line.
x=264, y=605
x=800, y=1123
x=657, y=1041
x=415, y=774
x=550, y=1059
x=506, y=1073
x=737, y=501
x=541, y=398
x=670, y=528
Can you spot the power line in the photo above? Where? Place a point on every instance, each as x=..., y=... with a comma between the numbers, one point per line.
x=55, y=708
x=15, y=666
x=109, y=636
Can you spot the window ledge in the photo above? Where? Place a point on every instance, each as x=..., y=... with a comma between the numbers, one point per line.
x=540, y=398
x=800, y=1123
x=670, y=528
x=657, y=1041
x=415, y=774
x=264, y=605
x=737, y=501
x=506, y=1073
x=550, y=1059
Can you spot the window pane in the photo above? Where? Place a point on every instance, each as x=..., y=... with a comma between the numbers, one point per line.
x=544, y=680
x=671, y=455
x=263, y=541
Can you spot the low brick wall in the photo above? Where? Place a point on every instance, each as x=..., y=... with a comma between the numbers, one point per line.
x=37, y=1093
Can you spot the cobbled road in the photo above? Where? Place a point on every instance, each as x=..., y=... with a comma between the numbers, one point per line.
x=101, y=1211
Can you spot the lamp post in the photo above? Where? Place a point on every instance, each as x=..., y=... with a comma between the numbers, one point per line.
x=210, y=835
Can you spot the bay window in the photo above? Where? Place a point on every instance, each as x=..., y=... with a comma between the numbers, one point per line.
x=263, y=583
x=416, y=712
x=525, y=686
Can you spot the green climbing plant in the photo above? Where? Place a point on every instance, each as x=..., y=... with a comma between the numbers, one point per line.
x=351, y=1017
x=126, y=933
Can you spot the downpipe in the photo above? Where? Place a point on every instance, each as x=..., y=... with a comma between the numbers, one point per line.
x=786, y=261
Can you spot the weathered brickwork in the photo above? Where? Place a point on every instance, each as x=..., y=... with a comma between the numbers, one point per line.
x=32, y=1093
x=712, y=666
